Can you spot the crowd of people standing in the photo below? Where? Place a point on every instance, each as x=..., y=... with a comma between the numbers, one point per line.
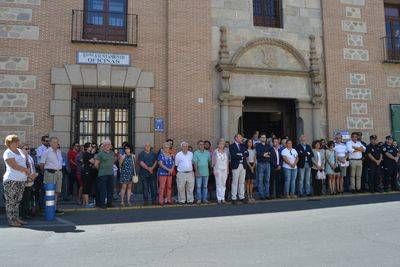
x=273, y=167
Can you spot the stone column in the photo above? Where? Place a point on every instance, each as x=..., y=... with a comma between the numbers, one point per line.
x=234, y=113
x=144, y=116
x=316, y=119
x=304, y=110
x=224, y=102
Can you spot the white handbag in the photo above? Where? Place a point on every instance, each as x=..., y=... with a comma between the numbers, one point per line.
x=135, y=178
x=321, y=175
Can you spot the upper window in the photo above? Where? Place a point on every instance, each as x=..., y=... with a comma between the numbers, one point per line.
x=267, y=13
x=105, y=20
x=392, y=25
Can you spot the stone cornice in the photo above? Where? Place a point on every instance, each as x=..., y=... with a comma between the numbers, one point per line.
x=249, y=70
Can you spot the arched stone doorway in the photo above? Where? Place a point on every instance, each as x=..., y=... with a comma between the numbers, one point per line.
x=274, y=70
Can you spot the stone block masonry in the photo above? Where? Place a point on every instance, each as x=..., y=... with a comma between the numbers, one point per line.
x=22, y=2
x=19, y=32
x=15, y=14
x=17, y=81
x=14, y=63
x=13, y=100
x=17, y=119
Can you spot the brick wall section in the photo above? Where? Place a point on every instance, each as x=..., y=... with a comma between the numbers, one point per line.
x=338, y=69
x=182, y=70
x=54, y=49
x=189, y=70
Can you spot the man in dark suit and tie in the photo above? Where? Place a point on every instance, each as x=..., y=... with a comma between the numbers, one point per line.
x=305, y=154
x=238, y=154
x=276, y=184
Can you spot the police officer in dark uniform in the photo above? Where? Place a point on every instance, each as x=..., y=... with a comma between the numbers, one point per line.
x=390, y=159
x=374, y=159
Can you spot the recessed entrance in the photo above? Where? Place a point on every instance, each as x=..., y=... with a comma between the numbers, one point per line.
x=100, y=115
x=268, y=115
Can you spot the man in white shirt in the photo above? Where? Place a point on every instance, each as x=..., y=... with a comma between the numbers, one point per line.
x=355, y=149
x=185, y=175
x=51, y=163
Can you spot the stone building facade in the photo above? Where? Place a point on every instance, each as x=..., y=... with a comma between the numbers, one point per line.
x=272, y=73
x=46, y=89
x=196, y=70
x=361, y=51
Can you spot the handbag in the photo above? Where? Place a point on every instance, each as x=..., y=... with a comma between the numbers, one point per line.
x=135, y=178
x=337, y=169
x=321, y=175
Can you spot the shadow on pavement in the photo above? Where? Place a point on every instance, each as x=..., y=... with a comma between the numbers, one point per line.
x=97, y=217
x=70, y=222
x=38, y=224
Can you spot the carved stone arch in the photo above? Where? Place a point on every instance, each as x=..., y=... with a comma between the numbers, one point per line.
x=272, y=42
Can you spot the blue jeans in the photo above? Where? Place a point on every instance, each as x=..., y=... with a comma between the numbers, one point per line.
x=105, y=188
x=263, y=177
x=305, y=180
x=201, y=188
x=290, y=180
x=149, y=188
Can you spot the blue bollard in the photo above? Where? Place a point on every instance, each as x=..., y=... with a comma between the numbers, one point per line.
x=50, y=203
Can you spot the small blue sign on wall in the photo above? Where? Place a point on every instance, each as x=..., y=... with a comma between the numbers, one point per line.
x=159, y=125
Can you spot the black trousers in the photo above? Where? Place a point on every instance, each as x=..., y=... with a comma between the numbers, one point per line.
x=71, y=181
x=374, y=178
x=316, y=183
x=276, y=183
x=364, y=177
x=38, y=193
x=390, y=177
x=149, y=188
x=26, y=205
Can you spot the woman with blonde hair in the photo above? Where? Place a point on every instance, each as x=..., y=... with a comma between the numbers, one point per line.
x=164, y=174
x=14, y=179
x=220, y=164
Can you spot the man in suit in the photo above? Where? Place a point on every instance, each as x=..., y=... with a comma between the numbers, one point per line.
x=276, y=185
x=238, y=154
x=305, y=154
x=264, y=152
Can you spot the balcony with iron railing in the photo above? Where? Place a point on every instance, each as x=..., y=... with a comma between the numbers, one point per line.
x=104, y=28
x=391, y=42
x=391, y=49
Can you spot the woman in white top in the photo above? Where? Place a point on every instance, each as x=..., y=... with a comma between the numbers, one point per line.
x=290, y=159
x=341, y=157
x=14, y=179
x=220, y=164
x=250, y=170
x=318, y=167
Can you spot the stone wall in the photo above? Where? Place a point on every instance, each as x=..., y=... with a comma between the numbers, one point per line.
x=15, y=14
x=301, y=19
x=14, y=63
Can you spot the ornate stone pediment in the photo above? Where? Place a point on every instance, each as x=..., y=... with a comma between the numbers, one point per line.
x=269, y=57
x=269, y=54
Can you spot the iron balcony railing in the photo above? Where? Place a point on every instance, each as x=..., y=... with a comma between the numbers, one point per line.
x=391, y=49
x=104, y=27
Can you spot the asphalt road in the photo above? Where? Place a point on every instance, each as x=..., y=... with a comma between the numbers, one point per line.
x=350, y=231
